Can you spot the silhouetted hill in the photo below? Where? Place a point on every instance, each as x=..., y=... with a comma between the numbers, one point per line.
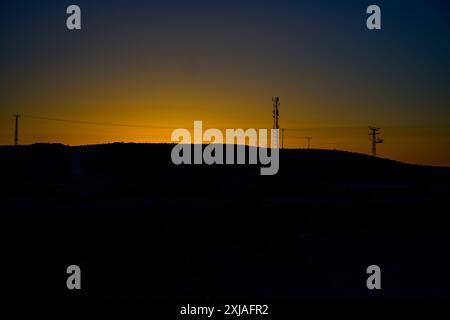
x=137, y=162
x=143, y=228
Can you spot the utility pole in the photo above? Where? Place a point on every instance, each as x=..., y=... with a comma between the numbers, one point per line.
x=275, y=111
x=16, y=131
x=309, y=141
x=374, y=137
x=275, y=114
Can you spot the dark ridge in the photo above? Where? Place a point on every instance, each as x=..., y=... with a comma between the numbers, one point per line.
x=142, y=228
x=135, y=161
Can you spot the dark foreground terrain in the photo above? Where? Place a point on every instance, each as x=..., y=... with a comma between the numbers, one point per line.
x=143, y=229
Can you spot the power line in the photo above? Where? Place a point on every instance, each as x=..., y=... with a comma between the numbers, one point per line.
x=115, y=124
x=109, y=124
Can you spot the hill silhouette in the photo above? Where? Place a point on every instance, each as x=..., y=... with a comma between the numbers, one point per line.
x=138, y=161
x=143, y=228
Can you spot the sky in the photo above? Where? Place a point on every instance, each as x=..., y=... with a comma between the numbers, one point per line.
x=164, y=64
